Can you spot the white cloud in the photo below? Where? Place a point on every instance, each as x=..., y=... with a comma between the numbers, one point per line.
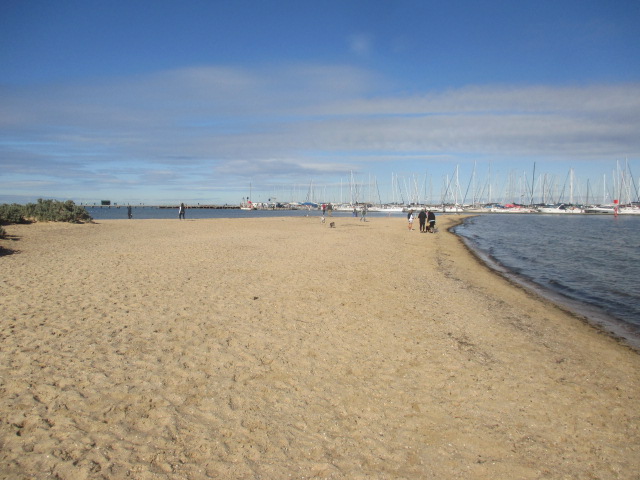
x=294, y=122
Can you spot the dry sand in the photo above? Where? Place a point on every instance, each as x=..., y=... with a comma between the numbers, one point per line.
x=282, y=348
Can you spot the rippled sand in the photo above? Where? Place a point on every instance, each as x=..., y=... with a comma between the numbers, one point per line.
x=282, y=348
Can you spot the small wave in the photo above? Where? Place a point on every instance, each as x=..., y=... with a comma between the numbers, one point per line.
x=567, y=258
x=562, y=287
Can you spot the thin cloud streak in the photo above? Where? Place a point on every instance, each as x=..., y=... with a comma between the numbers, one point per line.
x=360, y=44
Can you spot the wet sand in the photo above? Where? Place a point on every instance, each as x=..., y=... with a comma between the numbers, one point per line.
x=282, y=348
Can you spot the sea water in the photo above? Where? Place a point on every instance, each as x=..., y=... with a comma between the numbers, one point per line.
x=146, y=213
x=589, y=263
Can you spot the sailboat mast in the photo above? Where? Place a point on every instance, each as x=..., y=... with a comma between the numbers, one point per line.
x=571, y=186
x=533, y=181
x=489, y=183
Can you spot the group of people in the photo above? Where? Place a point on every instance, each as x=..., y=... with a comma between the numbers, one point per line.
x=327, y=208
x=423, y=218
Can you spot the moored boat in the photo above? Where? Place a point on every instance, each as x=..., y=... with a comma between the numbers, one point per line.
x=629, y=210
x=560, y=208
x=599, y=209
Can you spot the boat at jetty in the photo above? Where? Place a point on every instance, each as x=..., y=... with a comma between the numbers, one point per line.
x=629, y=210
x=387, y=208
x=511, y=208
x=600, y=209
x=560, y=208
x=248, y=205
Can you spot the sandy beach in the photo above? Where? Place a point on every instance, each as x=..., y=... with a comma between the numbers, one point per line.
x=282, y=348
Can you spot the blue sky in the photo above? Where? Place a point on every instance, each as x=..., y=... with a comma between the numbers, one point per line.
x=195, y=101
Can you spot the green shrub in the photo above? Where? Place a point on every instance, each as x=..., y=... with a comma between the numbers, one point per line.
x=56, y=211
x=44, y=211
x=13, y=213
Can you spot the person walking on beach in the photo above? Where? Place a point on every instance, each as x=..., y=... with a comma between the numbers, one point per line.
x=410, y=218
x=422, y=217
x=431, y=218
x=181, y=211
x=364, y=214
x=129, y=212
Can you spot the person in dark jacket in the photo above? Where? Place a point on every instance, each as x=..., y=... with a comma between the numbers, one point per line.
x=431, y=218
x=422, y=217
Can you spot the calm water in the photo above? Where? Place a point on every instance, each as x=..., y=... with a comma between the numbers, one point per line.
x=111, y=213
x=590, y=263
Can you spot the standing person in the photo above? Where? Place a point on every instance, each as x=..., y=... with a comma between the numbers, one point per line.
x=410, y=218
x=431, y=218
x=181, y=211
x=330, y=208
x=324, y=209
x=364, y=213
x=129, y=212
x=422, y=217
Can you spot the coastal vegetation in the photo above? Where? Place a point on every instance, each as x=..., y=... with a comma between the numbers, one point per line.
x=43, y=211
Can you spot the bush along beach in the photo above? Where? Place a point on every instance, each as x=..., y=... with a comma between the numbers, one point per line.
x=43, y=211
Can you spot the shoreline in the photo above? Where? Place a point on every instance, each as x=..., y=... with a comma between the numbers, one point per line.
x=592, y=316
x=280, y=347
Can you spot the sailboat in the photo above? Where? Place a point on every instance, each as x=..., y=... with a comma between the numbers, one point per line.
x=629, y=210
x=560, y=208
x=247, y=205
